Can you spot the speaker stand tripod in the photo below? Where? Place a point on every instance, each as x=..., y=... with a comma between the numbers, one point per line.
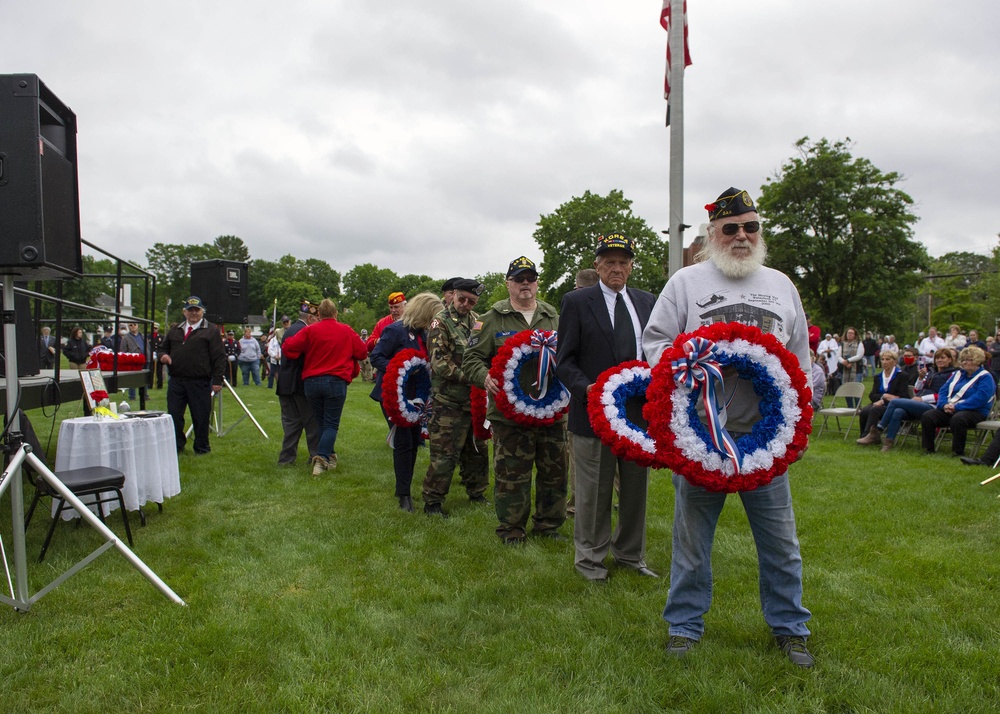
x=217, y=413
x=11, y=479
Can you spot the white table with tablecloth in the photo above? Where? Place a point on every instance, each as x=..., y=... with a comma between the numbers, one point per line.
x=144, y=449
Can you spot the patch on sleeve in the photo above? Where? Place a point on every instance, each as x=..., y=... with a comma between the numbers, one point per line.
x=435, y=323
x=473, y=341
x=477, y=325
x=505, y=335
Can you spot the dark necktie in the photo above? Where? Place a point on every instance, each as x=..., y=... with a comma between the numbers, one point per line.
x=624, y=333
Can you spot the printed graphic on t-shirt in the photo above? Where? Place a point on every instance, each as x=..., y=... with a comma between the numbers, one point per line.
x=751, y=310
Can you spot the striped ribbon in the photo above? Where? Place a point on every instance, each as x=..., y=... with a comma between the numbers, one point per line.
x=546, y=346
x=699, y=368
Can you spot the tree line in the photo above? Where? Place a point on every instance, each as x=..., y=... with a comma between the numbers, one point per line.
x=840, y=227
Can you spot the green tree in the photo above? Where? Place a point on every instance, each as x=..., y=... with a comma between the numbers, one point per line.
x=955, y=290
x=370, y=285
x=568, y=236
x=232, y=248
x=841, y=230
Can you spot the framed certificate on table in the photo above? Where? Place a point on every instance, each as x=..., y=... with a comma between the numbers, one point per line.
x=92, y=381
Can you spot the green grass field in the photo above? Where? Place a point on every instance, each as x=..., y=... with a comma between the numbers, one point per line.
x=311, y=594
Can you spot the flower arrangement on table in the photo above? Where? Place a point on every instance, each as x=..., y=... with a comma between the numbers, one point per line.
x=408, y=372
x=103, y=358
x=689, y=375
x=512, y=401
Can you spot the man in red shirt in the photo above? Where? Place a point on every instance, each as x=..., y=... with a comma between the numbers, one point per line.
x=397, y=301
x=814, y=334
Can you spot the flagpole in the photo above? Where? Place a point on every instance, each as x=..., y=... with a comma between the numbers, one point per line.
x=676, y=39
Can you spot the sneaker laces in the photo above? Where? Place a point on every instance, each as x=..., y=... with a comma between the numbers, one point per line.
x=795, y=643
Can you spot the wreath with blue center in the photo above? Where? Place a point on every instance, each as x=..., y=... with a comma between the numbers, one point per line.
x=408, y=373
x=513, y=402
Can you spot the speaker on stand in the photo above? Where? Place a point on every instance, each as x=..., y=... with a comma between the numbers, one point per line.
x=222, y=286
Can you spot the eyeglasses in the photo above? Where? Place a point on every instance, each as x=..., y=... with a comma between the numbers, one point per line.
x=523, y=279
x=467, y=300
x=731, y=229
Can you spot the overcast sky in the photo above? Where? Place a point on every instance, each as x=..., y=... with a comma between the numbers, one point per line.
x=429, y=137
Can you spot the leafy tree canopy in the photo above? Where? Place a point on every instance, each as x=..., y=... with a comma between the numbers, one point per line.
x=268, y=280
x=569, y=235
x=232, y=248
x=370, y=285
x=841, y=229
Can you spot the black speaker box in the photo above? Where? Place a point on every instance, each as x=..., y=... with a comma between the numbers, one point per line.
x=27, y=339
x=222, y=286
x=39, y=187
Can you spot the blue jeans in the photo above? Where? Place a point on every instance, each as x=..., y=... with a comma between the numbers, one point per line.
x=899, y=409
x=326, y=395
x=772, y=521
x=248, y=368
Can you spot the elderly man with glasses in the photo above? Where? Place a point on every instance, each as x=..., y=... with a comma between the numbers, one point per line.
x=452, y=438
x=517, y=449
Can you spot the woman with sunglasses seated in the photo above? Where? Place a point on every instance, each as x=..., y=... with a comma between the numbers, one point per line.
x=927, y=386
x=888, y=385
x=964, y=401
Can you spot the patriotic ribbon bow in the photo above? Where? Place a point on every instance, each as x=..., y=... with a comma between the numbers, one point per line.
x=698, y=368
x=545, y=343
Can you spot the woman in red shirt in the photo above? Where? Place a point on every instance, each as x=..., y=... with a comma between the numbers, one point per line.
x=331, y=351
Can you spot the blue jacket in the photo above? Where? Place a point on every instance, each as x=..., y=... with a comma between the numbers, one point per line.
x=978, y=398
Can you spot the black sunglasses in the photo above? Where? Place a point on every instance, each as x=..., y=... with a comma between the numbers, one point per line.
x=731, y=229
x=524, y=279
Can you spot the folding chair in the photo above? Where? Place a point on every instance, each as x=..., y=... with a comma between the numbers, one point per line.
x=852, y=390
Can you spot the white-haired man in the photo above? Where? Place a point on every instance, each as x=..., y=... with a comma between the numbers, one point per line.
x=732, y=285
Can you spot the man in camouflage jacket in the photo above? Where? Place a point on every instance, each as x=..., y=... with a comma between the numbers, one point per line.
x=451, y=433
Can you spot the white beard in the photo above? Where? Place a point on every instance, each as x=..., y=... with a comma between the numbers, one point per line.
x=732, y=266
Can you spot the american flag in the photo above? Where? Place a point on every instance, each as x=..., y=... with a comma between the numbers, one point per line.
x=665, y=22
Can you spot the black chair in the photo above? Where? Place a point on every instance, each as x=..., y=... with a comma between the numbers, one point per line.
x=102, y=482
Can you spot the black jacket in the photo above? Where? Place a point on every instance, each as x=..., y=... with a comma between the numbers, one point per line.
x=587, y=345
x=200, y=357
x=290, y=374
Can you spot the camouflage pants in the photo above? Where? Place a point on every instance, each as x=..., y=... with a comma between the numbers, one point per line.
x=517, y=450
x=366, y=371
x=451, y=444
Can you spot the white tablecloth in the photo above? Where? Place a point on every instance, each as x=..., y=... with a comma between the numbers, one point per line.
x=145, y=450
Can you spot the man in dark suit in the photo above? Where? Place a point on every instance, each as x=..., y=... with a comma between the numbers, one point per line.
x=296, y=413
x=47, y=349
x=600, y=327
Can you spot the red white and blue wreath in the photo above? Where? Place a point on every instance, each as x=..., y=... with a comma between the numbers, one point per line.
x=606, y=409
x=408, y=372
x=512, y=401
x=689, y=374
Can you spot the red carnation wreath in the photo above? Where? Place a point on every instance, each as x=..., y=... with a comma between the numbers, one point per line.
x=778, y=439
x=408, y=371
x=606, y=410
x=480, y=431
x=513, y=403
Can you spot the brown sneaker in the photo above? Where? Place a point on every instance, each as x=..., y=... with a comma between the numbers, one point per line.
x=871, y=438
x=887, y=444
x=319, y=465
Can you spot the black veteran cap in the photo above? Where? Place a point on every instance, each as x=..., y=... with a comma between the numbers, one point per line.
x=520, y=265
x=732, y=202
x=614, y=241
x=194, y=302
x=468, y=285
x=450, y=283
x=310, y=308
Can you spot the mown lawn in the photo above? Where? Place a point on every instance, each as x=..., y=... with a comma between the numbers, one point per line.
x=321, y=595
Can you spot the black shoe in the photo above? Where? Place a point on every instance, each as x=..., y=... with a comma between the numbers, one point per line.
x=434, y=509
x=794, y=648
x=406, y=504
x=551, y=535
x=514, y=540
x=973, y=461
x=679, y=646
x=479, y=499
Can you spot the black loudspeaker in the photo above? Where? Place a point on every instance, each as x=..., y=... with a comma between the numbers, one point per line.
x=27, y=339
x=39, y=187
x=222, y=286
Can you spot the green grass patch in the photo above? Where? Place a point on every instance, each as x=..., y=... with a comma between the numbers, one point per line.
x=321, y=595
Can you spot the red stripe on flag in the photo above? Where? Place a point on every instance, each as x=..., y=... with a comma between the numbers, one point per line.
x=665, y=23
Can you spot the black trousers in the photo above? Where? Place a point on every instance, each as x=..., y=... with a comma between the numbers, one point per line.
x=959, y=423
x=195, y=394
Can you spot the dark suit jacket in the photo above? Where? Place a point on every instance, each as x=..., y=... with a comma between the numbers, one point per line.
x=587, y=345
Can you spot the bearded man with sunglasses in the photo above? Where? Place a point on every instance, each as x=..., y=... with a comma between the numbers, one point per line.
x=517, y=449
x=452, y=439
x=731, y=284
